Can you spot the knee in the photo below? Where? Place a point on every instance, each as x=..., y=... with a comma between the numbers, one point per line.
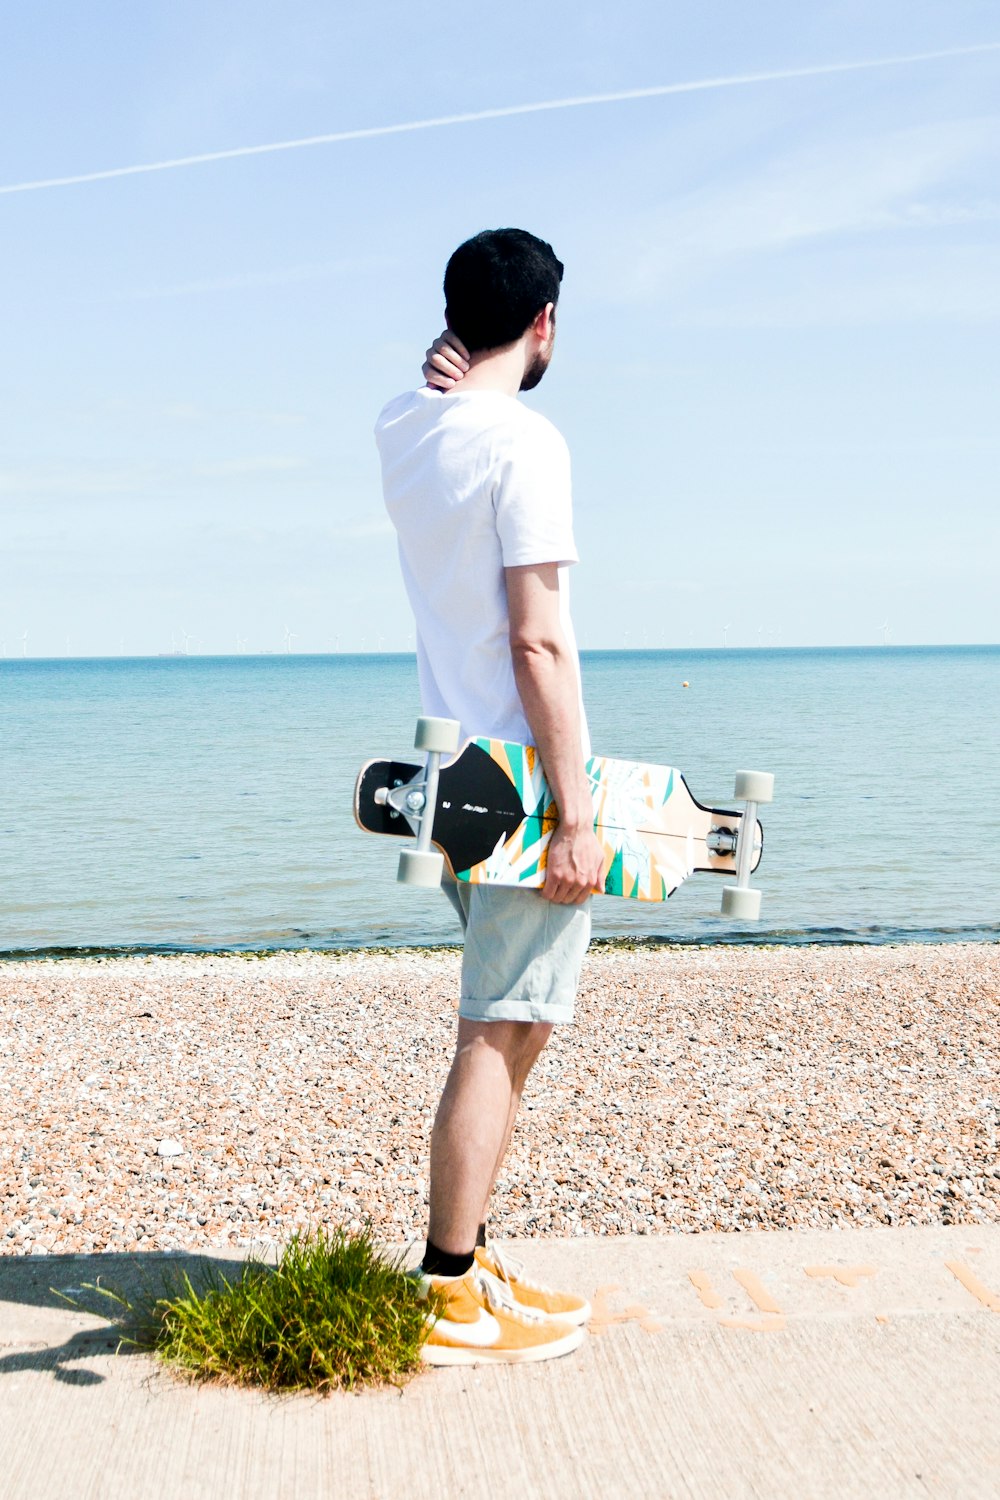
x=515, y=1045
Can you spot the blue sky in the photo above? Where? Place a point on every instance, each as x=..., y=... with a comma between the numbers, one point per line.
x=777, y=360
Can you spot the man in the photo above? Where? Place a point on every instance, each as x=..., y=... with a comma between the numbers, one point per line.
x=478, y=489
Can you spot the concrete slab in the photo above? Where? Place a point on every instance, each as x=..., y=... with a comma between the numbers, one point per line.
x=807, y=1364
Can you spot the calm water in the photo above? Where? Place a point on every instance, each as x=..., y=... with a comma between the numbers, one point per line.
x=206, y=802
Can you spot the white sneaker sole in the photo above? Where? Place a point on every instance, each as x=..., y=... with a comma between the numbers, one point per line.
x=579, y=1316
x=458, y=1354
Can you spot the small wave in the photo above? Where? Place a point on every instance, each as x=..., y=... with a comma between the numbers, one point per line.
x=296, y=942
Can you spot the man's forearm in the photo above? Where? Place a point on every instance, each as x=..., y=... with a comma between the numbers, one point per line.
x=549, y=690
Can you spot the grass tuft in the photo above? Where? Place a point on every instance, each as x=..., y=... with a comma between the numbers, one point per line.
x=334, y=1313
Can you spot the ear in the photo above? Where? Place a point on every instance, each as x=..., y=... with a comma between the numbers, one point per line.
x=544, y=325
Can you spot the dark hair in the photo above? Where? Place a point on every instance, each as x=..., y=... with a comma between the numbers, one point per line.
x=496, y=284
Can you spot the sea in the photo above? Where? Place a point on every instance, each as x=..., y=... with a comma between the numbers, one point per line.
x=191, y=803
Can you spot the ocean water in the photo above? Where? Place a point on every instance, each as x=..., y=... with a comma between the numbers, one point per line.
x=205, y=802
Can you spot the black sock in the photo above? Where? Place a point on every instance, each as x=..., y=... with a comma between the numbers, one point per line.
x=481, y=1236
x=440, y=1263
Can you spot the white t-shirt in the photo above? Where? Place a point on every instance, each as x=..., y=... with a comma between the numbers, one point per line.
x=474, y=482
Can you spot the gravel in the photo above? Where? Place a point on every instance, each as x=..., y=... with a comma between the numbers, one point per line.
x=191, y=1101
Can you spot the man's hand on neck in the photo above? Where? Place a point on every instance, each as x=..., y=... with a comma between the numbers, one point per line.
x=504, y=369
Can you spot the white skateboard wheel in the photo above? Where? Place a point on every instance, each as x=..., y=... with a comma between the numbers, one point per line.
x=437, y=734
x=754, y=786
x=741, y=902
x=422, y=867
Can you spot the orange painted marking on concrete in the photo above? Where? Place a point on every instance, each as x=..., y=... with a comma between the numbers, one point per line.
x=770, y=1323
x=702, y=1284
x=603, y=1315
x=757, y=1291
x=773, y=1317
x=846, y=1275
x=881, y=1317
x=759, y=1295
x=971, y=1282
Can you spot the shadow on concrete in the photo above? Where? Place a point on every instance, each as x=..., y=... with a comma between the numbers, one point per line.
x=48, y=1281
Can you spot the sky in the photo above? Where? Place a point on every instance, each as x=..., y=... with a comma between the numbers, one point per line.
x=777, y=358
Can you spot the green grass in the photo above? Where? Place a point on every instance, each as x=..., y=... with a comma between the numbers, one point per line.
x=334, y=1313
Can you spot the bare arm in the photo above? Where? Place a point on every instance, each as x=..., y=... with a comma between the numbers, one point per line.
x=546, y=681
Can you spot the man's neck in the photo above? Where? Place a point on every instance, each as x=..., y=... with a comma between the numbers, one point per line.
x=496, y=370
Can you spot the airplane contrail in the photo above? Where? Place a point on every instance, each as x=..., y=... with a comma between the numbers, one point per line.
x=698, y=85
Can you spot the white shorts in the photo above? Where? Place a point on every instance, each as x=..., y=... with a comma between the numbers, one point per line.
x=522, y=953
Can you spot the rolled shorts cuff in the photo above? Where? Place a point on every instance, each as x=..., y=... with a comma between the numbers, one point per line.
x=510, y=1009
x=522, y=955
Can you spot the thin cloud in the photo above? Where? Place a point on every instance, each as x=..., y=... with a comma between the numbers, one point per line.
x=247, y=281
x=904, y=183
x=699, y=85
x=250, y=468
x=944, y=284
x=60, y=482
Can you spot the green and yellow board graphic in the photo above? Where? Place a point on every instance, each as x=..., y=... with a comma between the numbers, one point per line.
x=493, y=816
x=641, y=819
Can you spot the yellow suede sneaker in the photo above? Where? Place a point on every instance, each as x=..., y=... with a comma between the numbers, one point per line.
x=482, y=1323
x=531, y=1296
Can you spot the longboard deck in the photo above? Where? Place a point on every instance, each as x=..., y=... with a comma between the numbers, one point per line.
x=495, y=816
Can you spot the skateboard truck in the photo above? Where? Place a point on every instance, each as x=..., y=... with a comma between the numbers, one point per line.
x=403, y=798
x=417, y=801
x=722, y=840
x=742, y=900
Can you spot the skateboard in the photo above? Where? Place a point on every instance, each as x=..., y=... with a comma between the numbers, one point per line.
x=490, y=815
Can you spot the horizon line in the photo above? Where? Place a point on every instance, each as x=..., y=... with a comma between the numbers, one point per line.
x=584, y=651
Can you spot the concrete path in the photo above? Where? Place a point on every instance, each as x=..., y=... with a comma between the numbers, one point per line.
x=807, y=1364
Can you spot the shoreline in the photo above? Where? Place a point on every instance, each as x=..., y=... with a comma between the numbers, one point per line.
x=835, y=938
x=213, y=1100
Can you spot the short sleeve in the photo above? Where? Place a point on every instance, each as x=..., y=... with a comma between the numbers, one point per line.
x=532, y=497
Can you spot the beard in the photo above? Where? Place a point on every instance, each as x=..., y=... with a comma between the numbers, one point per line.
x=537, y=368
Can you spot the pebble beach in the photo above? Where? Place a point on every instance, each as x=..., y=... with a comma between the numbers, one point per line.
x=193, y=1101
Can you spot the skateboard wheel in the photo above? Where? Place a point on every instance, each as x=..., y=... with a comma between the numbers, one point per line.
x=420, y=867
x=437, y=734
x=741, y=902
x=754, y=786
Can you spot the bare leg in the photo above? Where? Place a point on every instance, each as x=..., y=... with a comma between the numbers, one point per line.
x=515, y=1101
x=474, y=1122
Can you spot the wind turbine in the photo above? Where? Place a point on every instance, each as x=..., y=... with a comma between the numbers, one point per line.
x=885, y=632
x=24, y=644
x=289, y=638
x=725, y=636
x=186, y=636
x=240, y=643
